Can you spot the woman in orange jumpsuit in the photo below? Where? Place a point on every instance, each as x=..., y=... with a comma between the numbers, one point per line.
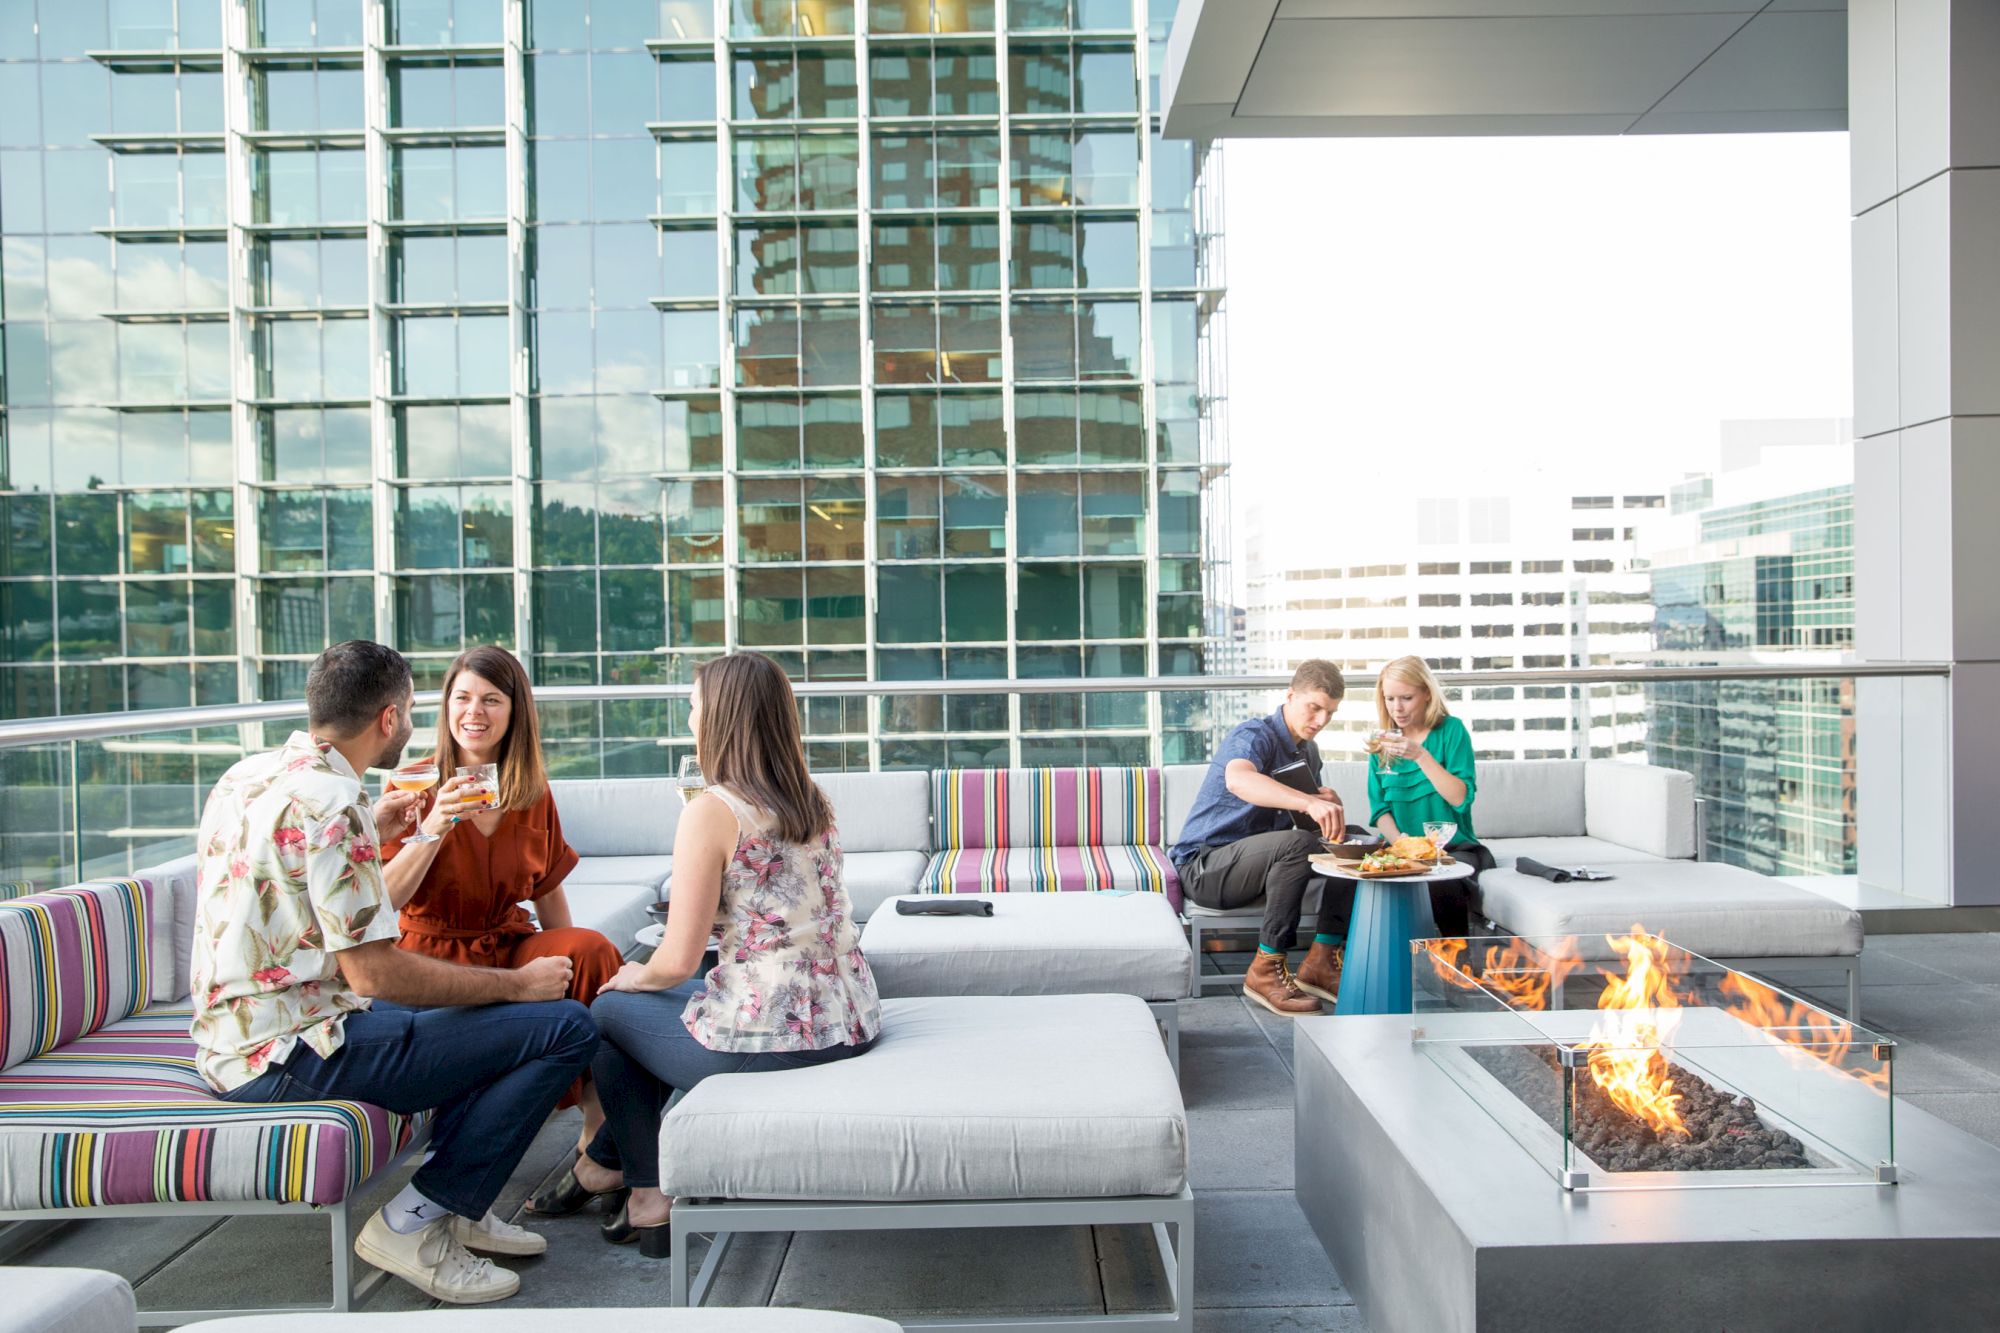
x=461, y=896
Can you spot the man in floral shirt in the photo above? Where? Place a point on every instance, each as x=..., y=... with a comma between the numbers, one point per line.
x=300, y=993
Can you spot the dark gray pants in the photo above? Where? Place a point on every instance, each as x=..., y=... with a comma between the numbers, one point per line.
x=1271, y=866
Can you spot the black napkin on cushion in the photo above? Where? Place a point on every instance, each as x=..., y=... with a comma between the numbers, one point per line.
x=943, y=906
x=1529, y=866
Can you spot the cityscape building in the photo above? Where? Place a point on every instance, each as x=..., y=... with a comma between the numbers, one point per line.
x=1544, y=577
x=883, y=337
x=1758, y=561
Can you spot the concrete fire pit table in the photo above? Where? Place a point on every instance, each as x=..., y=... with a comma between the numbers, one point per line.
x=1438, y=1220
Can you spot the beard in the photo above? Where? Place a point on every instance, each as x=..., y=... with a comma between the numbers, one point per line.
x=392, y=754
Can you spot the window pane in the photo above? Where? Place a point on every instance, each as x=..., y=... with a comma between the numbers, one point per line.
x=904, y=172
x=968, y=169
x=1048, y=514
x=1180, y=513
x=899, y=83
x=767, y=345
x=967, y=82
x=909, y=604
x=687, y=166
x=975, y=515
x=693, y=354
x=836, y=519
x=1114, y=513
x=904, y=256
x=768, y=524
x=1113, y=425
x=767, y=434
x=1045, y=253
x=634, y=612
x=694, y=522
x=906, y=525
x=1049, y=602
x=772, y=607
x=833, y=434
x=975, y=604
x=833, y=257
x=622, y=183
x=695, y=608
x=836, y=604
x=973, y=430
x=766, y=174
x=565, y=612
x=1110, y=252
x=906, y=430
x=687, y=89
x=1045, y=340
x=1105, y=81
x=565, y=526
x=968, y=256
x=827, y=87
x=829, y=171
x=1174, y=342
x=969, y=342
x=1039, y=79
x=1107, y=167
x=1114, y=601
x=1108, y=339
x=1045, y=427
x=830, y=350
x=905, y=343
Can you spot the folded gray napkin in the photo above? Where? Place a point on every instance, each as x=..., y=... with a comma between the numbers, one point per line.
x=1555, y=874
x=943, y=906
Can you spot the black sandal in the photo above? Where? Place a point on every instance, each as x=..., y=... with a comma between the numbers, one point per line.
x=655, y=1241
x=567, y=1196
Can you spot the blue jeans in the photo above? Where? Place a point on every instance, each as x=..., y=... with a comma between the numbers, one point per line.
x=645, y=1055
x=492, y=1072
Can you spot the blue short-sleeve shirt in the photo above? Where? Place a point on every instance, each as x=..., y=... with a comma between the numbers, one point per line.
x=1219, y=815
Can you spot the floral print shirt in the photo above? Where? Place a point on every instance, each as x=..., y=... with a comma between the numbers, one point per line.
x=790, y=975
x=290, y=875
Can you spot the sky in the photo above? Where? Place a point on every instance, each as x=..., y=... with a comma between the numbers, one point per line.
x=1508, y=313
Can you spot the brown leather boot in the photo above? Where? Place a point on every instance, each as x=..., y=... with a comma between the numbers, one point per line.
x=1320, y=973
x=1270, y=984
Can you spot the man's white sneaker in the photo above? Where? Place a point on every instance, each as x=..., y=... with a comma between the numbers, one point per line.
x=489, y=1235
x=432, y=1260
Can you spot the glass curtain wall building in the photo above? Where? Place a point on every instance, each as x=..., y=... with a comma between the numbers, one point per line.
x=880, y=337
x=1777, y=769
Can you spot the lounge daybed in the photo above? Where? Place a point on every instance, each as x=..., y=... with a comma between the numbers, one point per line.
x=971, y=1111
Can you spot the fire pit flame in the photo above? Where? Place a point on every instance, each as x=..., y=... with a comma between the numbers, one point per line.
x=1638, y=1016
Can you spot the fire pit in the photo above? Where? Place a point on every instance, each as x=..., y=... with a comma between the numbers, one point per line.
x=1653, y=1068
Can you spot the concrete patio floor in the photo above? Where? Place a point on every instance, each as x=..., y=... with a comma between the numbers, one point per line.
x=1257, y=1267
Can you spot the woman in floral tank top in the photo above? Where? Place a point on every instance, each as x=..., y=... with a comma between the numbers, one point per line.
x=757, y=862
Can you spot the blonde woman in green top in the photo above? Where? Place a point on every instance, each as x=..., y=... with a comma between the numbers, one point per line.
x=1424, y=775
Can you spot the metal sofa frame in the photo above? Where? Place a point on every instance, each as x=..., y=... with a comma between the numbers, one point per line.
x=723, y=1219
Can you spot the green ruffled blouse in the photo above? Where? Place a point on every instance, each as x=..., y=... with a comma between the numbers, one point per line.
x=1408, y=797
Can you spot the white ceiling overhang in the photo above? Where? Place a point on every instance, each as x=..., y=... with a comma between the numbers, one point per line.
x=1403, y=68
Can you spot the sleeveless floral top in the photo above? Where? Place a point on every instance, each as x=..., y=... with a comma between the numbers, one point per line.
x=790, y=975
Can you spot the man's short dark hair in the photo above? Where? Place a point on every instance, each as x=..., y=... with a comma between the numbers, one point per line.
x=351, y=683
x=1318, y=674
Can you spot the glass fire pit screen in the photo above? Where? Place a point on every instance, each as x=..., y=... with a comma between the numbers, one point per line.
x=1623, y=1062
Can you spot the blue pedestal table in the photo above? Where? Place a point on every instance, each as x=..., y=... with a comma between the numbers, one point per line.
x=1388, y=914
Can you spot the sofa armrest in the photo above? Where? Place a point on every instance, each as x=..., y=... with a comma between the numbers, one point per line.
x=1641, y=806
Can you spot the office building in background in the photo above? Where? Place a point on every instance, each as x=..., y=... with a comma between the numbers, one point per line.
x=882, y=338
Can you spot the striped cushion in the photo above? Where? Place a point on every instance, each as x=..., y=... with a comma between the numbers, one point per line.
x=1051, y=869
x=16, y=888
x=1047, y=807
x=122, y=1116
x=73, y=960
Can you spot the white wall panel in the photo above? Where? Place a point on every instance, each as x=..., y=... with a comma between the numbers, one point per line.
x=1877, y=373
x=1975, y=290
x=1975, y=529
x=1871, y=102
x=1923, y=89
x=1975, y=780
x=1928, y=556
x=1923, y=301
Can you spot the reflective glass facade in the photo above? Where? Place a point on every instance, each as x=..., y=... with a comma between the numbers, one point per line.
x=1775, y=760
x=880, y=337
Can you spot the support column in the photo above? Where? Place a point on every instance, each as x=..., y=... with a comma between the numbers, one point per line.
x=1924, y=119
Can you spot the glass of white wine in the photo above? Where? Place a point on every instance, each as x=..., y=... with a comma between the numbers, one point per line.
x=416, y=777
x=692, y=783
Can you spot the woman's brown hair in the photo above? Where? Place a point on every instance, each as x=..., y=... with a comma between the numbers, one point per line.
x=523, y=779
x=749, y=742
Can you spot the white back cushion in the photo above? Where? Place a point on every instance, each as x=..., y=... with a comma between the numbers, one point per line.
x=618, y=816
x=1529, y=798
x=1178, y=785
x=1641, y=806
x=880, y=812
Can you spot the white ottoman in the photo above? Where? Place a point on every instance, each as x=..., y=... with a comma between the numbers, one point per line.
x=970, y=1111
x=1039, y=944
x=65, y=1300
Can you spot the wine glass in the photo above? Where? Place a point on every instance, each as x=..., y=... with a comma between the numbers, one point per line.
x=692, y=783
x=1393, y=765
x=416, y=777
x=1440, y=832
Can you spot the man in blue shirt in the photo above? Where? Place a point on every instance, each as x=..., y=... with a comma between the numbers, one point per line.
x=1242, y=841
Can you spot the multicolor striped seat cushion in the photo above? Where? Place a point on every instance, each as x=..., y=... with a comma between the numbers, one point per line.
x=1041, y=830
x=75, y=959
x=121, y=1116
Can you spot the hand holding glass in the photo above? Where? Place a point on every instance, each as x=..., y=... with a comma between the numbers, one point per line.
x=416, y=777
x=483, y=787
x=1382, y=738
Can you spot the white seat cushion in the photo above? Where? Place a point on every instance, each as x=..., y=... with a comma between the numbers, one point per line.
x=872, y=878
x=1711, y=909
x=1034, y=944
x=651, y=871
x=963, y=1097
x=65, y=1300
x=1568, y=853
x=618, y=911
x=590, y=1320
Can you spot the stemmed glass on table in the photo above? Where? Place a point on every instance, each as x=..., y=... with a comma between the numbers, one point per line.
x=1440, y=832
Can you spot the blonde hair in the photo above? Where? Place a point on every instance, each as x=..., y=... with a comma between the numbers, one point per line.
x=1411, y=671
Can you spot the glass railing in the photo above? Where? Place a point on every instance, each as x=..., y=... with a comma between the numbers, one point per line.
x=1775, y=749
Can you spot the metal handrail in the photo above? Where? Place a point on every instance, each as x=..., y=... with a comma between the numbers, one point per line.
x=93, y=726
